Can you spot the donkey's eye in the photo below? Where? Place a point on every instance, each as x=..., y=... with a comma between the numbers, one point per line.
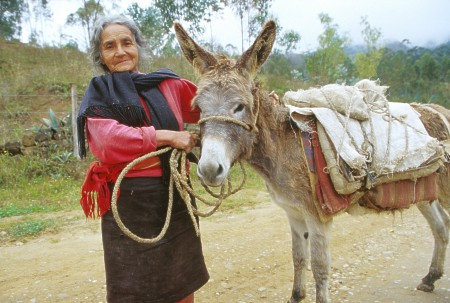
x=239, y=108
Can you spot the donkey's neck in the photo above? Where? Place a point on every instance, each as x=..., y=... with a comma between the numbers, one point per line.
x=276, y=142
x=277, y=156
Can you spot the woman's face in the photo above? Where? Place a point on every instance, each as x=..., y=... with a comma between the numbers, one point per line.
x=118, y=49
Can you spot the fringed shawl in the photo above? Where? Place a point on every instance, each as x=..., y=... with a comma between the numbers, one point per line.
x=117, y=96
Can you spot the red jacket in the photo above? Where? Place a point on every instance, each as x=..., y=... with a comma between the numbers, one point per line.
x=114, y=143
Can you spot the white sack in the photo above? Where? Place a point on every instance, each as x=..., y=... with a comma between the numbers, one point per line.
x=340, y=97
x=421, y=146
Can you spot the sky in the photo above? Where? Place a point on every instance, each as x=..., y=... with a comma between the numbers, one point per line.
x=422, y=22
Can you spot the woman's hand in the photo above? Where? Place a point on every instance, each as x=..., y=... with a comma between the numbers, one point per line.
x=176, y=139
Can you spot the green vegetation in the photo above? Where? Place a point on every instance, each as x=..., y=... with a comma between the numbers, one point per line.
x=28, y=70
x=30, y=228
x=32, y=186
x=29, y=194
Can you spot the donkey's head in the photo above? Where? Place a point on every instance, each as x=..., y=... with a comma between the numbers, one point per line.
x=225, y=96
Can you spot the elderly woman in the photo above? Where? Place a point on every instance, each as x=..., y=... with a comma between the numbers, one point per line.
x=126, y=114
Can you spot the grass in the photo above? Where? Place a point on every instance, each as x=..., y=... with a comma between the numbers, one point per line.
x=30, y=228
x=33, y=186
x=27, y=210
x=41, y=195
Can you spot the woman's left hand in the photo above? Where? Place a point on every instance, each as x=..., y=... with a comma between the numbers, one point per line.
x=176, y=139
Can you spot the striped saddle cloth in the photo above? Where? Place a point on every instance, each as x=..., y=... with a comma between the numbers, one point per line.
x=387, y=196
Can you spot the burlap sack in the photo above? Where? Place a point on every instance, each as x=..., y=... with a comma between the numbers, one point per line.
x=341, y=183
x=373, y=91
x=334, y=96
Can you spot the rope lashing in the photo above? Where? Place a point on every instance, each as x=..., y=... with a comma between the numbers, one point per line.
x=379, y=104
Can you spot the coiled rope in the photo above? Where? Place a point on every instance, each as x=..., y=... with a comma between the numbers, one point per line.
x=179, y=178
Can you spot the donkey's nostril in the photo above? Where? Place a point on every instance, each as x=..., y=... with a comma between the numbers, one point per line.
x=220, y=169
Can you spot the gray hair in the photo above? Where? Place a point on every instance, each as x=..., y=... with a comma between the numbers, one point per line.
x=99, y=26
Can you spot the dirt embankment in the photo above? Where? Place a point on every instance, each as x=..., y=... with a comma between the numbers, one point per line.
x=376, y=258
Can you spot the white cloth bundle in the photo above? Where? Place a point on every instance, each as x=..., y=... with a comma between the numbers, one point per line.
x=392, y=138
x=335, y=96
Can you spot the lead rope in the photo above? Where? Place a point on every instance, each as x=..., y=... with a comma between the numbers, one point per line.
x=179, y=178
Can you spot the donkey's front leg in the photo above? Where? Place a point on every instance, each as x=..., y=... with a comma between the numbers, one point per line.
x=300, y=250
x=319, y=237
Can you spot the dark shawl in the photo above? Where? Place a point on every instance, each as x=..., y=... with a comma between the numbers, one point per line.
x=116, y=96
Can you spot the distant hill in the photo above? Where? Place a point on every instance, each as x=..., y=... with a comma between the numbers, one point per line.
x=397, y=46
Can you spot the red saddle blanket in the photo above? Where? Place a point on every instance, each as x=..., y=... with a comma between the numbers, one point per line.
x=400, y=194
x=387, y=196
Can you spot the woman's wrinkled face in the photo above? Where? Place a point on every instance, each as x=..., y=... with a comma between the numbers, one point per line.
x=118, y=48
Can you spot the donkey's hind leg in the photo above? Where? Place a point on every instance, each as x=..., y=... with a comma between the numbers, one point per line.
x=444, y=214
x=438, y=222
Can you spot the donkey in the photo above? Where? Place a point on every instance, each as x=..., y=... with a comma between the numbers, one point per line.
x=267, y=139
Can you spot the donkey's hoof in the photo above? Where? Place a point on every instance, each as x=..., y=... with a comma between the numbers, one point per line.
x=297, y=296
x=425, y=287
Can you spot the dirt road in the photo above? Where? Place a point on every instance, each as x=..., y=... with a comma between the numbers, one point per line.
x=375, y=258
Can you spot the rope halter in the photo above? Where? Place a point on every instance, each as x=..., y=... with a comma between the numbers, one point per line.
x=247, y=126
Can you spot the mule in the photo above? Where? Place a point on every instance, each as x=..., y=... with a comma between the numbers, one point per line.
x=268, y=140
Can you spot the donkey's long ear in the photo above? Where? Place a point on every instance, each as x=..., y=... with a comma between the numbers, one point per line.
x=199, y=58
x=252, y=59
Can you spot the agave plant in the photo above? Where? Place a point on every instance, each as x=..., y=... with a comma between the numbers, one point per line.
x=52, y=123
x=64, y=157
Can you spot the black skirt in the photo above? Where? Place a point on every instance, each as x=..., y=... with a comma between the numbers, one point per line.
x=164, y=272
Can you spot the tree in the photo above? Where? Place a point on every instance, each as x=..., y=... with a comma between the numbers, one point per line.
x=257, y=15
x=427, y=67
x=10, y=22
x=256, y=11
x=289, y=40
x=396, y=69
x=276, y=72
x=157, y=20
x=193, y=12
x=37, y=12
x=327, y=64
x=86, y=15
x=152, y=26
x=367, y=63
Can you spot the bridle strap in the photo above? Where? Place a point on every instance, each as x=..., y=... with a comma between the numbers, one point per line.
x=245, y=125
